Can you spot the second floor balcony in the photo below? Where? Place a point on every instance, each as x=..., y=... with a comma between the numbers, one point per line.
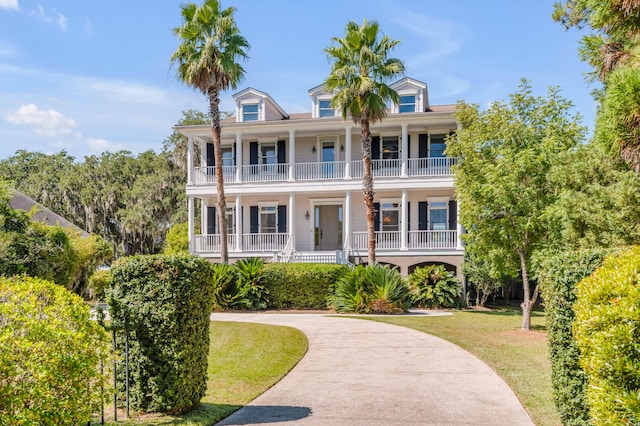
x=325, y=171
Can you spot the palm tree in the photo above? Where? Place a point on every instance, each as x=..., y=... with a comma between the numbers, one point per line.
x=359, y=74
x=207, y=60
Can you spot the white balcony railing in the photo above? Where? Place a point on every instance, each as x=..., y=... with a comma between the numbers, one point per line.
x=391, y=240
x=264, y=242
x=430, y=166
x=207, y=175
x=211, y=243
x=320, y=171
x=266, y=172
x=432, y=240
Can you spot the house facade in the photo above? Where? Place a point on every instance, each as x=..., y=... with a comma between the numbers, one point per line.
x=293, y=183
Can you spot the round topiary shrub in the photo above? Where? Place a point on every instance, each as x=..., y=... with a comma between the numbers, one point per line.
x=607, y=331
x=49, y=355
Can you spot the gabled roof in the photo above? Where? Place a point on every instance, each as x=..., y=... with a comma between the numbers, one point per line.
x=408, y=82
x=19, y=201
x=251, y=92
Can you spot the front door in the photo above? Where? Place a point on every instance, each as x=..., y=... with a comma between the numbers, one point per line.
x=328, y=227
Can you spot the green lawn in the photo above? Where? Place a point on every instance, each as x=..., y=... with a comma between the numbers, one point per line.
x=520, y=358
x=245, y=360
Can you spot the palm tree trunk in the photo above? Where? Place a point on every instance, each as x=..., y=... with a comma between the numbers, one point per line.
x=214, y=113
x=367, y=189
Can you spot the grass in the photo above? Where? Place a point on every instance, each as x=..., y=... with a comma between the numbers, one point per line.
x=245, y=360
x=520, y=358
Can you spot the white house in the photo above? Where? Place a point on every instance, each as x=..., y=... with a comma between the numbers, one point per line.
x=293, y=183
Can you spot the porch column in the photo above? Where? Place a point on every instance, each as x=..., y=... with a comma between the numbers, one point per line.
x=238, y=223
x=238, y=157
x=191, y=220
x=189, y=160
x=404, y=230
x=459, y=245
x=292, y=219
x=292, y=155
x=347, y=153
x=347, y=221
x=404, y=150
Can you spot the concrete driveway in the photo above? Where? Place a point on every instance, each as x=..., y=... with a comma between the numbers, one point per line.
x=360, y=372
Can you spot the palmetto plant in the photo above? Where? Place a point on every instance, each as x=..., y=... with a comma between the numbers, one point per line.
x=250, y=282
x=226, y=292
x=434, y=287
x=359, y=75
x=207, y=60
x=370, y=289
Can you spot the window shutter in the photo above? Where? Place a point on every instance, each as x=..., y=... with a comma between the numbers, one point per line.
x=423, y=215
x=235, y=154
x=376, y=217
x=282, y=219
x=453, y=215
x=281, y=153
x=211, y=220
x=408, y=146
x=375, y=148
x=408, y=215
x=423, y=145
x=254, y=219
x=253, y=153
x=211, y=159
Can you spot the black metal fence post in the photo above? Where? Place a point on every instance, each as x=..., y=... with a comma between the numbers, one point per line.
x=126, y=360
x=115, y=381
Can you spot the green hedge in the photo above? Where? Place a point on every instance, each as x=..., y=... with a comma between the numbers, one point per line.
x=607, y=330
x=164, y=302
x=559, y=274
x=300, y=285
x=49, y=355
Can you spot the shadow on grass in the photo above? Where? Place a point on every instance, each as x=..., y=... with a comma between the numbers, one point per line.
x=253, y=414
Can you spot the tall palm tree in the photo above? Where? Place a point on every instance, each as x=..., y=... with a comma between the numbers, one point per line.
x=207, y=60
x=361, y=68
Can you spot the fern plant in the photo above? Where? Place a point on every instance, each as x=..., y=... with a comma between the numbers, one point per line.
x=434, y=287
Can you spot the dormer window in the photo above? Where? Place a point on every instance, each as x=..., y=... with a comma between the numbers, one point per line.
x=407, y=104
x=325, y=110
x=250, y=112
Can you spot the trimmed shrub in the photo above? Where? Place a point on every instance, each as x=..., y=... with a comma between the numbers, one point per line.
x=434, y=287
x=607, y=330
x=49, y=355
x=370, y=289
x=163, y=303
x=301, y=285
x=559, y=273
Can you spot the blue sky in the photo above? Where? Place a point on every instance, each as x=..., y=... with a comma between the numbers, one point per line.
x=89, y=76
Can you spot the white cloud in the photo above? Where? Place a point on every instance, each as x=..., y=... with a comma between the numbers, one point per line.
x=88, y=27
x=54, y=17
x=44, y=122
x=97, y=145
x=9, y=4
x=123, y=91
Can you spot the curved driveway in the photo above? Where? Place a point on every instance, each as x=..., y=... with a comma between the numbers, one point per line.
x=359, y=372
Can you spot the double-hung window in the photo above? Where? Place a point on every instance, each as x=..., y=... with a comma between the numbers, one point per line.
x=437, y=146
x=227, y=155
x=230, y=215
x=438, y=213
x=407, y=104
x=390, y=148
x=390, y=214
x=324, y=108
x=268, y=156
x=268, y=219
x=250, y=112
